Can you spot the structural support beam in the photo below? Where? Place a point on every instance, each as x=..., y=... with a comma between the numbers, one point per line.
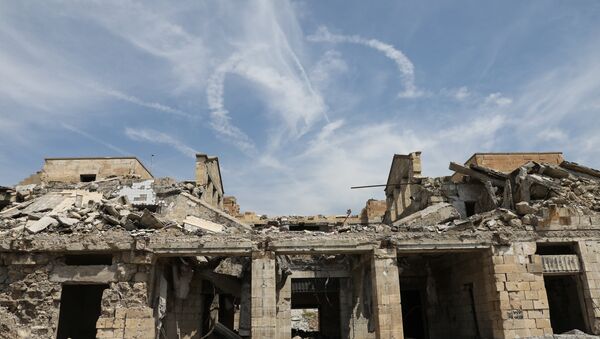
x=264, y=299
x=386, y=294
x=284, y=310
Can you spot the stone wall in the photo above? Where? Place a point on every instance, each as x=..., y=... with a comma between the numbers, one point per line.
x=589, y=252
x=463, y=305
x=522, y=299
x=125, y=312
x=69, y=170
x=184, y=317
x=27, y=293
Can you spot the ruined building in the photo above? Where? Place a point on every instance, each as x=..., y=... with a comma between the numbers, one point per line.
x=506, y=247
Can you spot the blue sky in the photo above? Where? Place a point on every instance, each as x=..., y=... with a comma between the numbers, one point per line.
x=299, y=99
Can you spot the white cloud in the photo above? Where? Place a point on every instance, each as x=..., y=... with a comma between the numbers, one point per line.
x=552, y=134
x=403, y=63
x=498, y=99
x=156, y=137
x=462, y=93
x=291, y=99
x=330, y=63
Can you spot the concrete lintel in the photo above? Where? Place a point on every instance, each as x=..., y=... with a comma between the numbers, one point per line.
x=211, y=248
x=322, y=246
x=192, y=252
x=432, y=248
x=92, y=274
x=321, y=274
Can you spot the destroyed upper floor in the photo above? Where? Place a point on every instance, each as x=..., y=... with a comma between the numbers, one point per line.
x=516, y=190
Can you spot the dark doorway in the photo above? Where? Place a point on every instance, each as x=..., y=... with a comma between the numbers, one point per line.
x=316, y=304
x=79, y=311
x=470, y=208
x=87, y=177
x=412, y=314
x=564, y=302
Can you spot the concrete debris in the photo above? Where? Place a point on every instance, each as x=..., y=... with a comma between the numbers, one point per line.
x=233, y=266
x=435, y=214
x=58, y=207
x=41, y=224
x=192, y=224
x=524, y=208
x=150, y=220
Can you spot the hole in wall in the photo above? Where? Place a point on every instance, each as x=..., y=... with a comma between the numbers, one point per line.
x=79, y=311
x=316, y=306
x=563, y=300
x=87, y=177
x=555, y=249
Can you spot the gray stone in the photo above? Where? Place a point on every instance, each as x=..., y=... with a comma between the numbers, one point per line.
x=41, y=224
x=524, y=208
x=432, y=215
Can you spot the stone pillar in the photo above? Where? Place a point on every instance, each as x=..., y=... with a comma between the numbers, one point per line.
x=284, y=310
x=386, y=294
x=522, y=300
x=360, y=293
x=589, y=253
x=245, y=309
x=264, y=299
x=345, y=307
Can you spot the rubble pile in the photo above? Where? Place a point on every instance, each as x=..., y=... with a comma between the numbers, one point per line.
x=534, y=195
x=118, y=202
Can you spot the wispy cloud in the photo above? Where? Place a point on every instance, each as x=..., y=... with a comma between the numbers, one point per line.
x=137, y=101
x=94, y=139
x=220, y=119
x=498, y=99
x=330, y=63
x=156, y=137
x=403, y=63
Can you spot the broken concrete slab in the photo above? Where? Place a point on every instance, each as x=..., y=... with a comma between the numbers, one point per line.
x=232, y=266
x=483, y=177
x=192, y=223
x=431, y=215
x=149, y=220
x=66, y=221
x=42, y=224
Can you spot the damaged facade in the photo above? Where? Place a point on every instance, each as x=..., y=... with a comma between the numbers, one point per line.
x=508, y=248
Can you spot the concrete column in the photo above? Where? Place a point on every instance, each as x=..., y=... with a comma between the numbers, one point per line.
x=386, y=294
x=284, y=310
x=245, y=309
x=264, y=303
x=345, y=307
x=361, y=324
